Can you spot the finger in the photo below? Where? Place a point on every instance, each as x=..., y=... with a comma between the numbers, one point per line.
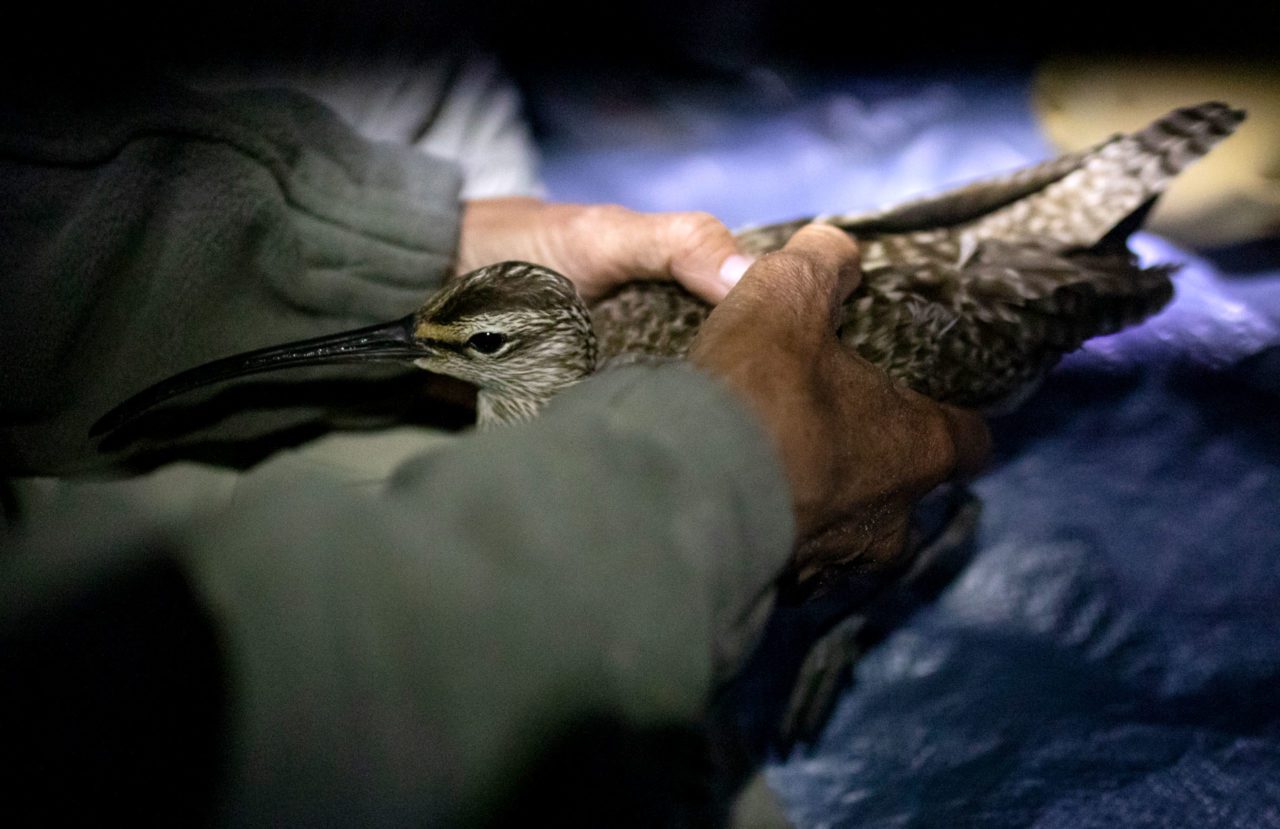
x=821, y=265
x=951, y=443
x=833, y=252
x=872, y=543
x=704, y=255
x=971, y=438
x=700, y=253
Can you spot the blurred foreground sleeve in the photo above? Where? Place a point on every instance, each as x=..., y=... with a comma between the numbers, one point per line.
x=543, y=603
x=1233, y=195
x=146, y=228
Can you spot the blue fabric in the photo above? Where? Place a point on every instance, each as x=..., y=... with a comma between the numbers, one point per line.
x=1111, y=657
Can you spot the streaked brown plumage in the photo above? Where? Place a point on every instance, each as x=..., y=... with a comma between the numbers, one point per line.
x=968, y=296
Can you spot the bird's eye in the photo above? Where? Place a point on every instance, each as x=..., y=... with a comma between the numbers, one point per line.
x=486, y=342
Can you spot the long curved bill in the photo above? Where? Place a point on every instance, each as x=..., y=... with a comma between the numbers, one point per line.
x=388, y=341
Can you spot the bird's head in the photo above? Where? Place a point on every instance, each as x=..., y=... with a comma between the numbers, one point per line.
x=517, y=331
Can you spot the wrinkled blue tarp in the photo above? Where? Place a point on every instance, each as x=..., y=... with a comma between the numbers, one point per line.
x=1111, y=657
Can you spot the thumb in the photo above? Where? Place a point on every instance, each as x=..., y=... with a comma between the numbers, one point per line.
x=699, y=252
x=808, y=279
x=835, y=259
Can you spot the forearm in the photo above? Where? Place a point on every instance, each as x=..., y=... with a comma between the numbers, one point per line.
x=409, y=655
x=148, y=232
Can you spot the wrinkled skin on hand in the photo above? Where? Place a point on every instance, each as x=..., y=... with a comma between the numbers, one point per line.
x=599, y=247
x=859, y=450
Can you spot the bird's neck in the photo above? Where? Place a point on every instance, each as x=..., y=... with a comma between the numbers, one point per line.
x=496, y=408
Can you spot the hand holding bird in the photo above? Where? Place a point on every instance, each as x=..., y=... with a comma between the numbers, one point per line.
x=602, y=247
x=968, y=297
x=859, y=451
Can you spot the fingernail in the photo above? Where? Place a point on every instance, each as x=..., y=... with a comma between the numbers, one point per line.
x=734, y=267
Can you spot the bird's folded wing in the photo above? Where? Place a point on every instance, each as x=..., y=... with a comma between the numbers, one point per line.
x=960, y=204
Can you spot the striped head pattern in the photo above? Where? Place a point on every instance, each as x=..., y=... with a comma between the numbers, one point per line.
x=516, y=330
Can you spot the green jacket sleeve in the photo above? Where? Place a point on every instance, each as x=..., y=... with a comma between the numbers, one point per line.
x=147, y=232
x=411, y=656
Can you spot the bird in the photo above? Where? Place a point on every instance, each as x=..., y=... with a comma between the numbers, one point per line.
x=968, y=297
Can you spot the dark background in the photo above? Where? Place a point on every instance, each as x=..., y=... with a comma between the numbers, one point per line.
x=1111, y=658
x=700, y=37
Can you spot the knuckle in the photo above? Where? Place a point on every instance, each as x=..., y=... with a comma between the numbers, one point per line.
x=795, y=273
x=600, y=215
x=597, y=222
x=698, y=227
x=820, y=230
x=608, y=213
x=789, y=264
x=830, y=238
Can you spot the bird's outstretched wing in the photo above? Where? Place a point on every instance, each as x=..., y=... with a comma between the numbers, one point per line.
x=970, y=295
x=1074, y=200
x=941, y=210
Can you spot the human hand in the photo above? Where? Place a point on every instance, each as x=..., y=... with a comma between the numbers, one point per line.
x=601, y=246
x=859, y=450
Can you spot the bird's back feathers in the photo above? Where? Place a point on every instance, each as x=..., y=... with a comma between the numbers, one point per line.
x=970, y=295
x=967, y=297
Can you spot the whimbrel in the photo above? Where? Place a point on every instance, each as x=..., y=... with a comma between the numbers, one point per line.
x=969, y=296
